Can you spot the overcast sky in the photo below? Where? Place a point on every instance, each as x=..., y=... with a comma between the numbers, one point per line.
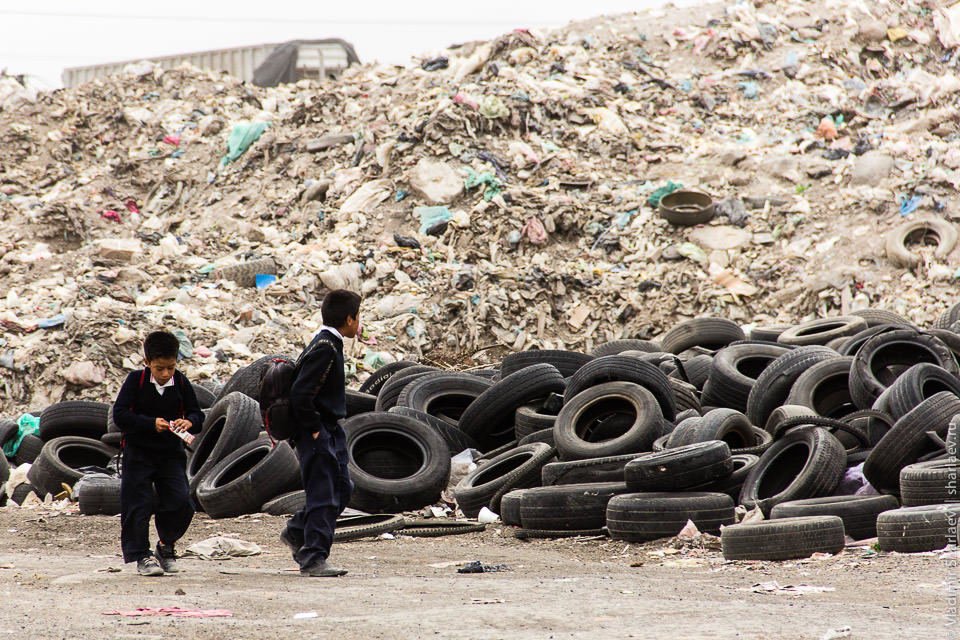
x=44, y=37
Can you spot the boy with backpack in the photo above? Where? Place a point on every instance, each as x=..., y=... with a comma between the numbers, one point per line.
x=154, y=405
x=309, y=418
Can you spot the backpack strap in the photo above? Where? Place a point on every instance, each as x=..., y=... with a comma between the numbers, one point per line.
x=315, y=344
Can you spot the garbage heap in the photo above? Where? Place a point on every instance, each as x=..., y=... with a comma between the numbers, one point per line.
x=497, y=194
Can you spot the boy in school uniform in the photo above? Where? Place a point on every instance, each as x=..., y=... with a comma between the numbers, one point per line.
x=153, y=405
x=317, y=404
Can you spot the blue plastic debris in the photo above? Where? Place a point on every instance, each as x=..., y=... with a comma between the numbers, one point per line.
x=52, y=321
x=909, y=204
x=265, y=279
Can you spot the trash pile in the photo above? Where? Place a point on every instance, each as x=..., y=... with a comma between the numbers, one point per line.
x=499, y=194
x=821, y=429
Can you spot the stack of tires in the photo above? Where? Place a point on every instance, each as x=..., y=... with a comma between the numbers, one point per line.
x=75, y=438
x=773, y=421
x=67, y=441
x=631, y=440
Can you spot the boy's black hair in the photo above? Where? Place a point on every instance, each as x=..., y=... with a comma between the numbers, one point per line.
x=160, y=344
x=338, y=305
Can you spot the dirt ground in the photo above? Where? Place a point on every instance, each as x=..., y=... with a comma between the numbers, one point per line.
x=59, y=573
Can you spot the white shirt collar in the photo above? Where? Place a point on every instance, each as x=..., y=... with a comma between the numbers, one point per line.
x=333, y=331
x=161, y=387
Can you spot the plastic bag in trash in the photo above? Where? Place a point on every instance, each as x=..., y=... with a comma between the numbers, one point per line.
x=241, y=137
x=851, y=483
x=27, y=425
x=432, y=216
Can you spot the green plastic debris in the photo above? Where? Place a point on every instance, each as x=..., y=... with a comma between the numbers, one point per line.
x=624, y=217
x=474, y=179
x=654, y=199
x=207, y=268
x=374, y=359
x=692, y=251
x=186, y=346
x=241, y=137
x=28, y=425
x=430, y=216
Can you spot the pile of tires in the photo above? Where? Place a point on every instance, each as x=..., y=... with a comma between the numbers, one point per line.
x=68, y=441
x=649, y=436
x=631, y=440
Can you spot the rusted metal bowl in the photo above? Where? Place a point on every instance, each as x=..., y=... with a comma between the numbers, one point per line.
x=687, y=208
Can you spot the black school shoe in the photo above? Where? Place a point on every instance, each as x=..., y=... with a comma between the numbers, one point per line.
x=292, y=543
x=167, y=558
x=322, y=570
x=148, y=566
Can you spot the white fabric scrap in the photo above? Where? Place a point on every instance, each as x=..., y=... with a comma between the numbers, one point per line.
x=222, y=547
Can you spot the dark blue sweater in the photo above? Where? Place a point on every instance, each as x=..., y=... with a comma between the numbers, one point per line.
x=139, y=404
x=318, y=398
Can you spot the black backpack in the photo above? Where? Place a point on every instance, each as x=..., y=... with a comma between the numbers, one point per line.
x=275, y=386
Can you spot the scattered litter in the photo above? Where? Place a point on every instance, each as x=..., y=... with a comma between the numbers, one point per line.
x=568, y=130
x=837, y=634
x=222, y=547
x=173, y=612
x=305, y=615
x=478, y=567
x=487, y=517
x=788, y=590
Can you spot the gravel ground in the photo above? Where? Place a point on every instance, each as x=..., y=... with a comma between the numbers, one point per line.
x=60, y=571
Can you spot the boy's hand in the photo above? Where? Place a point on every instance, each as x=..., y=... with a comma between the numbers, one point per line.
x=161, y=425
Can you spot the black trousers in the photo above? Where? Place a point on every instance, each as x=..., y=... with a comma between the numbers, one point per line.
x=327, y=484
x=142, y=472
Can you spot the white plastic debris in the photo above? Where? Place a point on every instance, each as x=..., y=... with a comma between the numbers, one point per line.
x=486, y=516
